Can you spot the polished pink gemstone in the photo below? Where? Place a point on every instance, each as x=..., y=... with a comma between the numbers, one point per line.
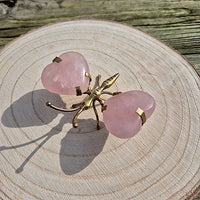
x=63, y=77
x=120, y=117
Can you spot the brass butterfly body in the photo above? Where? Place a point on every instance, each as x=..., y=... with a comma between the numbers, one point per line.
x=94, y=95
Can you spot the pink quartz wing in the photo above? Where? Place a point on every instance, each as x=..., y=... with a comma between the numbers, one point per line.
x=120, y=117
x=65, y=76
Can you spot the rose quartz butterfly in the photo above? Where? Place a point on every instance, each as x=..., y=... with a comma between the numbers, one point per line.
x=123, y=113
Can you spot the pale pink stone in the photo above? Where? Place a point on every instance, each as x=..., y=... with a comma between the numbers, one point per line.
x=65, y=76
x=120, y=117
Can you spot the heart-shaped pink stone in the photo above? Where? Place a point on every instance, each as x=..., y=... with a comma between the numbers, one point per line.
x=63, y=76
x=120, y=116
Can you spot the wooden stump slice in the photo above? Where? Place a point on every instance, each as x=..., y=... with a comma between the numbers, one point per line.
x=43, y=157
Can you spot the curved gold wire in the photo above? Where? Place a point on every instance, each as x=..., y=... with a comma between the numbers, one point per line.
x=75, y=124
x=141, y=113
x=61, y=109
x=96, y=114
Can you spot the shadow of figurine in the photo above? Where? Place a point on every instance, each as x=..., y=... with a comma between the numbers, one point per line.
x=54, y=131
x=30, y=110
x=78, y=148
x=81, y=145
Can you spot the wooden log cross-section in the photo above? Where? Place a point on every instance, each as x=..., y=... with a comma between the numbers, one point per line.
x=43, y=157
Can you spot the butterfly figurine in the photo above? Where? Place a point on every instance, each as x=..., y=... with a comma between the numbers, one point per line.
x=123, y=113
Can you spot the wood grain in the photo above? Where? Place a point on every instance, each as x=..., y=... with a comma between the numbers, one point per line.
x=43, y=157
x=177, y=22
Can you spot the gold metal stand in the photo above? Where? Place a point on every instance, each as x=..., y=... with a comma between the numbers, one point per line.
x=94, y=95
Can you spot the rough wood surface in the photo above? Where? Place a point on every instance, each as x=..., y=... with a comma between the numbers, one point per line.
x=43, y=157
x=177, y=22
